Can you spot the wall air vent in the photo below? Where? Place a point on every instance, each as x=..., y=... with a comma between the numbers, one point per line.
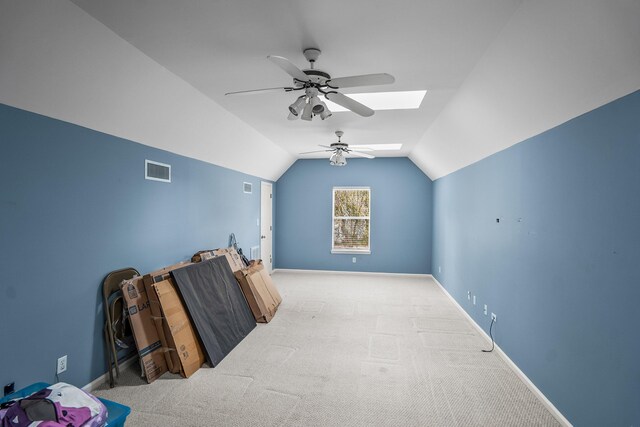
x=157, y=171
x=247, y=187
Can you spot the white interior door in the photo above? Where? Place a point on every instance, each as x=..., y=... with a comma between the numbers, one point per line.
x=266, y=225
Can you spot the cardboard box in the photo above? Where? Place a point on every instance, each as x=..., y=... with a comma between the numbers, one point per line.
x=164, y=333
x=144, y=329
x=260, y=291
x=202, y=256
x=207, y=255
x=181, y=330
x=163, y=273
x=171, y=356
x=233, y=257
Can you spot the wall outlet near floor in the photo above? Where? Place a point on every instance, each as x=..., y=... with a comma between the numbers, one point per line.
x=62, y=364
x=474, y=300
x=439, y=269
x=485, y=309
x=494, y=317
x=469, y=295
x=353, y=260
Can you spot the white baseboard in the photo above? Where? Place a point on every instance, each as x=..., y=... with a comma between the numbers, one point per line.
x=530, y=385
x=104, y=377
x=373, y=273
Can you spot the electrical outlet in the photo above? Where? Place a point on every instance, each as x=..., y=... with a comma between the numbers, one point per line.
x=494, y=317
x=258, y=222
x=439, y=269
x=474, y=300
x=485, y=309
x=353, y=260
x=469, y=295
x=62, y=364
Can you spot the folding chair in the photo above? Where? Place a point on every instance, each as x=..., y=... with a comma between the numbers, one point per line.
x=113, y=306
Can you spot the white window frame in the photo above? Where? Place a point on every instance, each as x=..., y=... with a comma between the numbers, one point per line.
x=333, y=219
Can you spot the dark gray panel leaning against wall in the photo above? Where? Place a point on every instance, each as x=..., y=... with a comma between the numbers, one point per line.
x=216, y=306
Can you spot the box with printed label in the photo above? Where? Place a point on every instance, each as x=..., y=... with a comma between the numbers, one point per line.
x=144, y=330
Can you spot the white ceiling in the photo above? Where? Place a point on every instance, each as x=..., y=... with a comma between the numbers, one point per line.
x=58, y=61
x=220, y=46
x=554, y=61
x=496, y=71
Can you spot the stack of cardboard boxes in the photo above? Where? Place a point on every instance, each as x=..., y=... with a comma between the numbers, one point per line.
x=163, y=332
x=256, y=284
x=258, y=288
x=177, y=335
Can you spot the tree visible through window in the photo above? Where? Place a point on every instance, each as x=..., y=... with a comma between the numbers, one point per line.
x=351, y=219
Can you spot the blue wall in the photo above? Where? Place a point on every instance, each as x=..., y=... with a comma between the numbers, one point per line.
x=400, y=216
x=560, y=269
x=75, y=205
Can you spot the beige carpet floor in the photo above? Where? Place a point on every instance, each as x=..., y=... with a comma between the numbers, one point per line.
x=345, y=350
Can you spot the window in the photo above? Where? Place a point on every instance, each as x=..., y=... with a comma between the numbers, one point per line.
x=351, y=220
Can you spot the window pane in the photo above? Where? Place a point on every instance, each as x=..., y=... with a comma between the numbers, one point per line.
x=351, y=234
x=351, y=203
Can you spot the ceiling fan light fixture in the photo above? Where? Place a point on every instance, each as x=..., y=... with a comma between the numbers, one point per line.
x=338, y=159
x=326, y=113
x=297, y=106
x=307, y=112
x=292, y=116
x=317, y=106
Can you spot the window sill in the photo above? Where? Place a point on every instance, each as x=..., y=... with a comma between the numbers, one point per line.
x=350, y=252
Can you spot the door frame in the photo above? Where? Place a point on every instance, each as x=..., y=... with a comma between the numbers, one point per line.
x=264, y=251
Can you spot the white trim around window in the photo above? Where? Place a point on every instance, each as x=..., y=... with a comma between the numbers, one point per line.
x=354, y=250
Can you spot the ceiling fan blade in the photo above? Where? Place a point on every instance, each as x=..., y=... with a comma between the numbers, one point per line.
x=325, y=146
x=363, y=80
x=317, y=151
x=350, y=104
x=289, y=68
x=254, y=91
x=359, y=154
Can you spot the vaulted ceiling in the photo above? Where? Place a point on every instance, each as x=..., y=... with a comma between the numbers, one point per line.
x=496, y=71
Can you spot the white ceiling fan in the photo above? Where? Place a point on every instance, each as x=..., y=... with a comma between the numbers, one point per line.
x=340, y=150
x=316, y=82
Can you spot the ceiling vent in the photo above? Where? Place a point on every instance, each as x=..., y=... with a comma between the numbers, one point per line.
x=157, y=171
x=248, y=187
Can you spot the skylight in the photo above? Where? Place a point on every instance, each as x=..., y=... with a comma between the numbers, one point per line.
x=405, y=100
x=376, y=147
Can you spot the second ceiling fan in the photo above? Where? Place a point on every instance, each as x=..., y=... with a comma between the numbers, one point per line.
x=340, y=150
x=315, y=83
